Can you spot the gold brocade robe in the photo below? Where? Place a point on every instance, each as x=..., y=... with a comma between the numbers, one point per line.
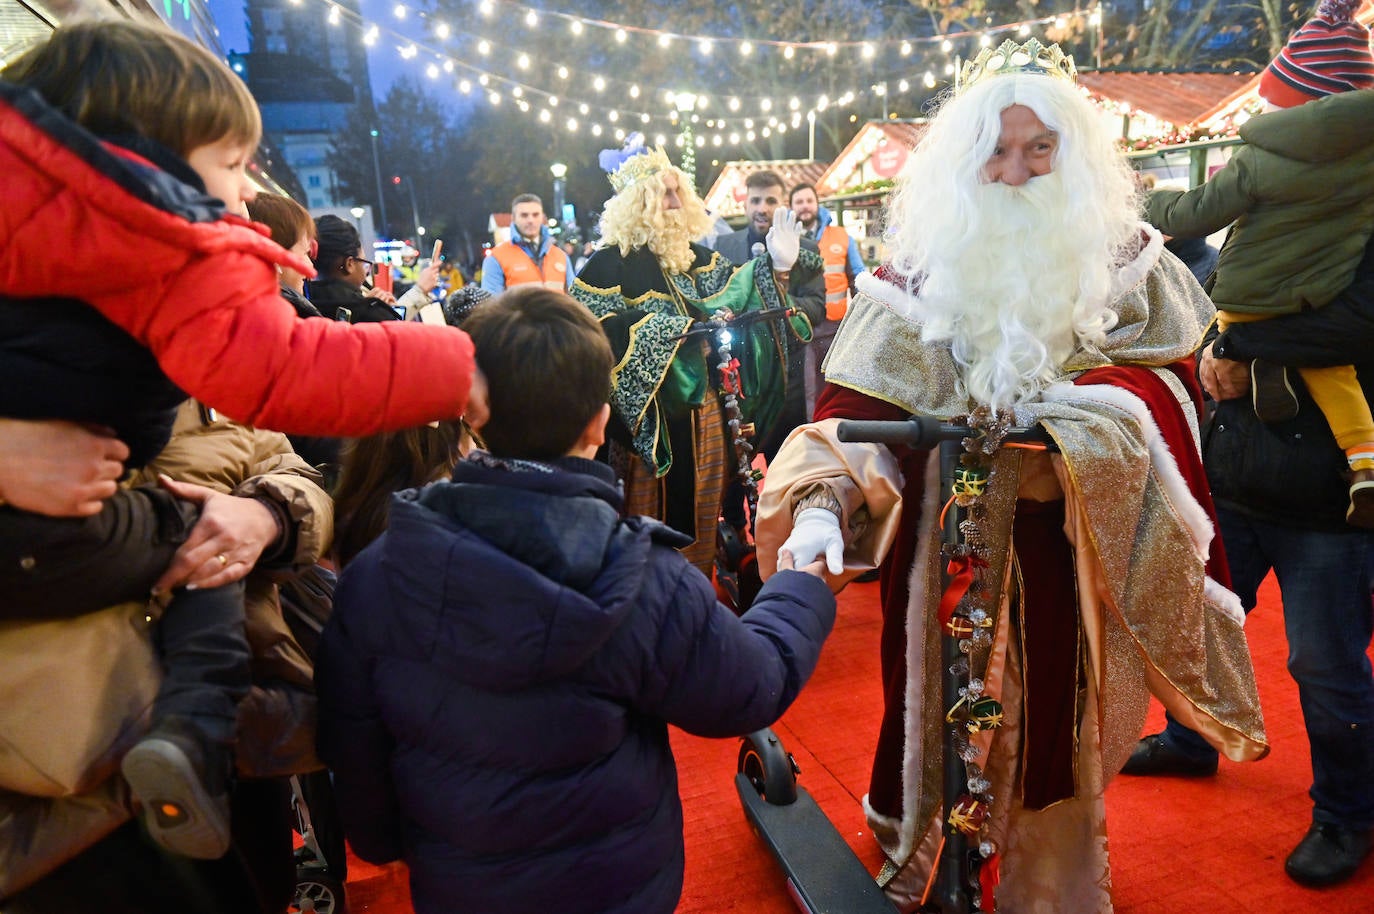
x=1151, y=620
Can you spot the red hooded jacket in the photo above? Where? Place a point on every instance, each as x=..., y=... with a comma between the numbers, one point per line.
x=198, y=288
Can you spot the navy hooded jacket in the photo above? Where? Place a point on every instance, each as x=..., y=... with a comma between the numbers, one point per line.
x=496, y=681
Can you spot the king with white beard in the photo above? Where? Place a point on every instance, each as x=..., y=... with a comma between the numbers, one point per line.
x=1020, y=279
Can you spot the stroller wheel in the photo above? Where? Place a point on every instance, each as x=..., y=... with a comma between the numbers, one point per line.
x=319, y=893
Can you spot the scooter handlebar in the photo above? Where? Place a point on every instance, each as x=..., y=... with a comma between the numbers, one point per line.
x=920, y=431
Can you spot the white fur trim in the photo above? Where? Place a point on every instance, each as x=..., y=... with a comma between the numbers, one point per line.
x=1224, y=600
x=897, y=299
x=917, y=601
x=1133, y=274
x=1175, y=488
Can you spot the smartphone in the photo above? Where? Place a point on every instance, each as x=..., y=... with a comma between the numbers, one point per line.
x=438, y=249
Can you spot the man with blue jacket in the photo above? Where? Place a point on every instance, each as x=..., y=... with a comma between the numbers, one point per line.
x=530, y=256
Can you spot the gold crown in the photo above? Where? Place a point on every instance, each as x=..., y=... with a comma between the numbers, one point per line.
x=1010, y=57
x=638, y=167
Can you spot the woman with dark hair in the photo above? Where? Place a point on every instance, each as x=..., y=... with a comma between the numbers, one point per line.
x=342, y=271
x=376, y=467
x=293, y=229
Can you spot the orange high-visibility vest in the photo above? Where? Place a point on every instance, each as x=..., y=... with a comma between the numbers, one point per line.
x=520, y=269
x=834, y=245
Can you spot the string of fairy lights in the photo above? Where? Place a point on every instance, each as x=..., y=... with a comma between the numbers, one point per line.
x=717, y=119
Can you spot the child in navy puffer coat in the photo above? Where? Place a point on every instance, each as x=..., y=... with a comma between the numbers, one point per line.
x=497, y=678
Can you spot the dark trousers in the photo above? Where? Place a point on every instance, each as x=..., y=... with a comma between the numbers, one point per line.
x=63, y=567
x=1325, y=579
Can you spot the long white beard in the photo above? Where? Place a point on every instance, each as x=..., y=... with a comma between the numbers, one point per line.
x=1015, y=288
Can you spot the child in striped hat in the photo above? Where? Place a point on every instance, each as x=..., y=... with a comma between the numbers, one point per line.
x=1328, y=55
x=1301, y=195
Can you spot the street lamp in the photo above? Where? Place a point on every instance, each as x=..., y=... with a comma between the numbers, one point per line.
x=559, y=172
x=377, y=172
x=686, y=104
x=357, y=212
x=414, y=210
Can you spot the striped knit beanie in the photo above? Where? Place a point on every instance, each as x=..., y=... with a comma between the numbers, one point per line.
x=1329, y=54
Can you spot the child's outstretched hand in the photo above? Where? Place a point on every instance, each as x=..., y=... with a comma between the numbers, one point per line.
x=787, y=563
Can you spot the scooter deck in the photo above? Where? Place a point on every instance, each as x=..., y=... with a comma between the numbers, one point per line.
x=823, y=875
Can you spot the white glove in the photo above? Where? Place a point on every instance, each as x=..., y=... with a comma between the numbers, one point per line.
x=816, y=532
x=784, y=240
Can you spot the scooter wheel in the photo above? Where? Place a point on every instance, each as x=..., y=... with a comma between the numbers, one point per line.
x=769, y=767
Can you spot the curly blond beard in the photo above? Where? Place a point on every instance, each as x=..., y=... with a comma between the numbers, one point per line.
x=635, y=218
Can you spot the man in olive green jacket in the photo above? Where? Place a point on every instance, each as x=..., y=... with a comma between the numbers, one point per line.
x=1301, y=194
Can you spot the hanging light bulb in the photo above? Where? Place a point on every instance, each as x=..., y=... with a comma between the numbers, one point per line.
x=442, y=30
x=531, y=19
x=576, y=26
x=620, y=36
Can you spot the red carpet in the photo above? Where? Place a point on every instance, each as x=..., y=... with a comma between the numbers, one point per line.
x=1177, y=846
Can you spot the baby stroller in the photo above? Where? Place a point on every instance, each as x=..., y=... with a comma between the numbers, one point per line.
x=318, y=889
x=321, y=865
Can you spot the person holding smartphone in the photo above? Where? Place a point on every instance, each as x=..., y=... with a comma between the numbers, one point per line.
x=342, y=283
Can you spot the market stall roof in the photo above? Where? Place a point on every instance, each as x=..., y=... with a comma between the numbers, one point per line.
x=876, y=153
x=726, y=196
x=1179, y=99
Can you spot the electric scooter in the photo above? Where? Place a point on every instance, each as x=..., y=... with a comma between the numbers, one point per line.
x=823, y=874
